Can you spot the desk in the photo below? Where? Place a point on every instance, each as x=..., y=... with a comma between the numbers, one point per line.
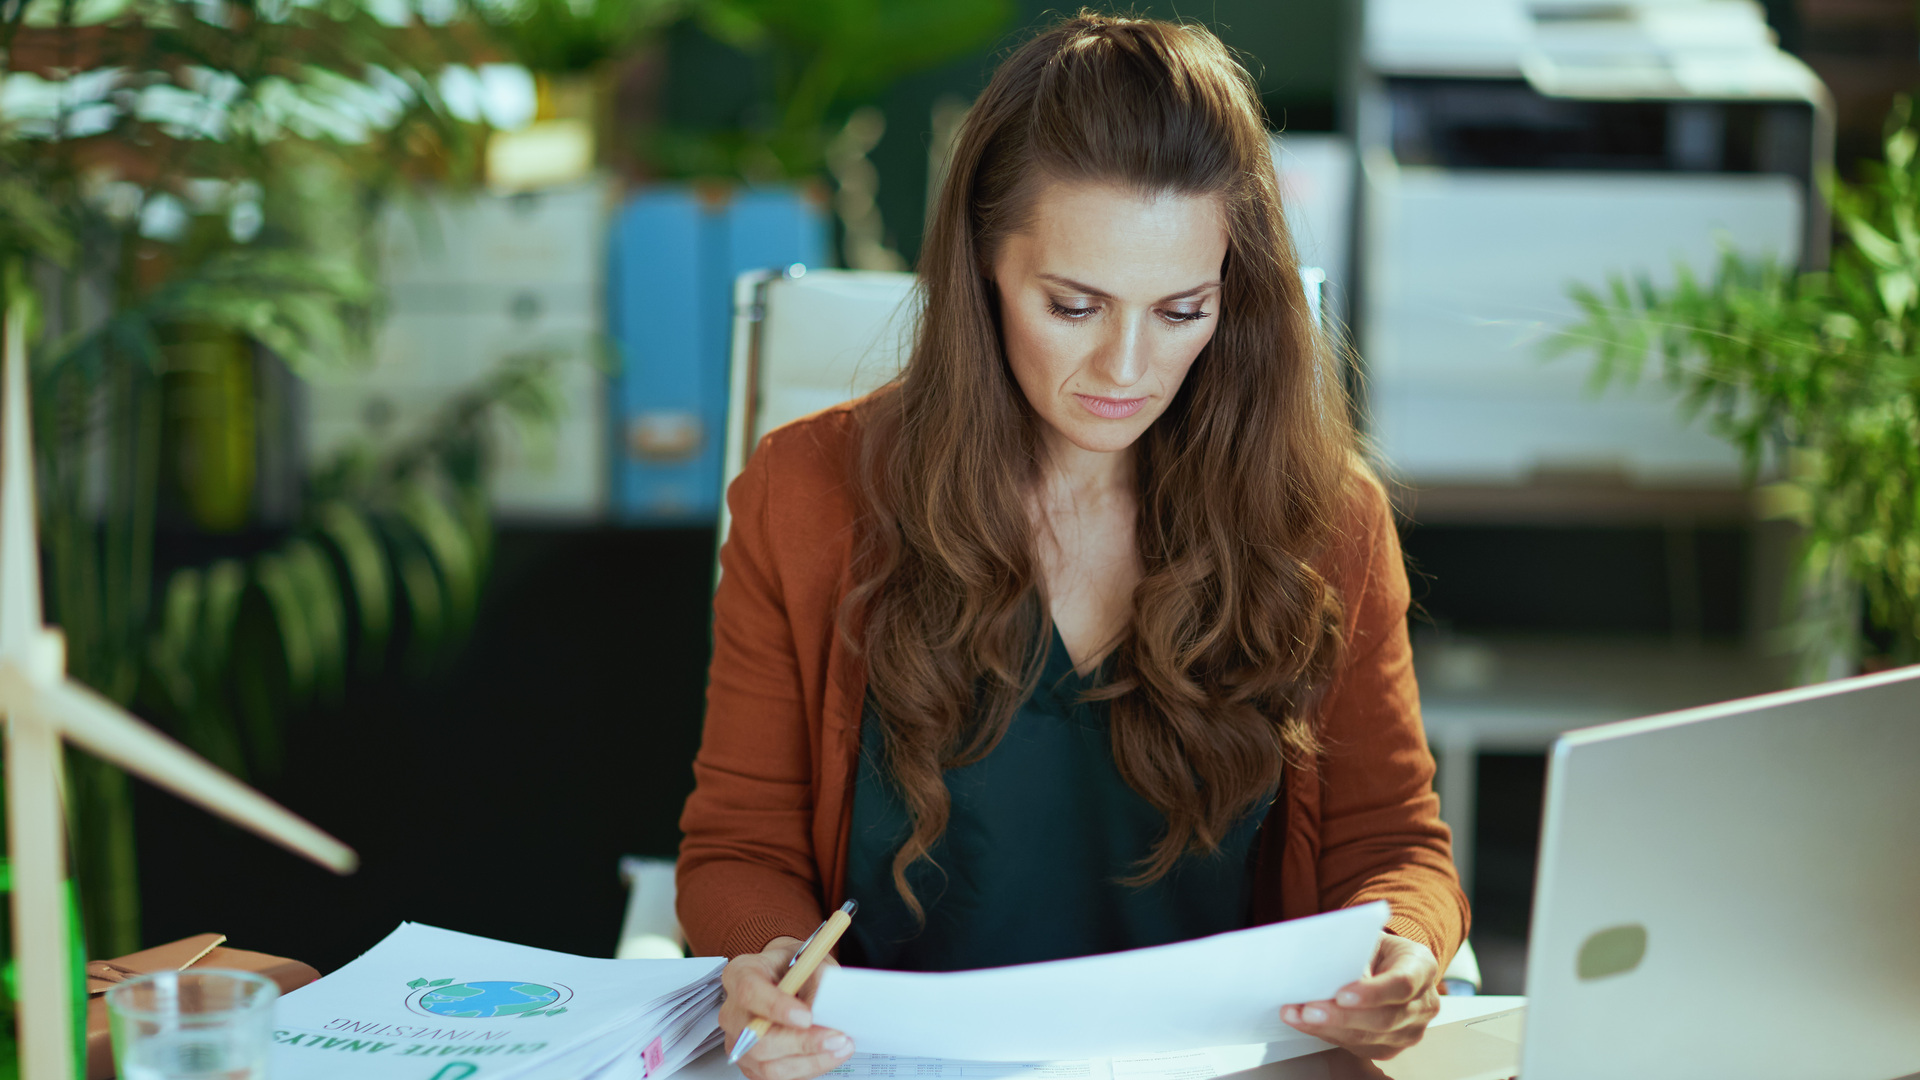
x=1485, y=1048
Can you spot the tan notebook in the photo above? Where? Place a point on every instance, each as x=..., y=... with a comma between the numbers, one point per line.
x=201, y=950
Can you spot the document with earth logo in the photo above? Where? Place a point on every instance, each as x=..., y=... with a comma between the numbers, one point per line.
x=432, y=1004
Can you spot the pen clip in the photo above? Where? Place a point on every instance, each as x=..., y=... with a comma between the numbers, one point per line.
x=795, y=958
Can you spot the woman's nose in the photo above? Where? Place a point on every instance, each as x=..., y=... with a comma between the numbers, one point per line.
x=1122, y=358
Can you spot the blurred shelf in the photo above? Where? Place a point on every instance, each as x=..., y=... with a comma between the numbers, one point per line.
x=1603, y=677
x=1602, y=500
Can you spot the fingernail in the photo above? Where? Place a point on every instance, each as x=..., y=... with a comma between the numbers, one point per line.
x=844, y=1051
x=1315, y=1016
x=799, y=1018
x=834, y=1042
x=1291, y=1014
x=1349, y=998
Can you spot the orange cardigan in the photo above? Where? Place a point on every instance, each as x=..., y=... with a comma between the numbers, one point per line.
x=766, y=828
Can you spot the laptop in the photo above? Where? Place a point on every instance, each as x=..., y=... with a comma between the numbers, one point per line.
x=1733, y=891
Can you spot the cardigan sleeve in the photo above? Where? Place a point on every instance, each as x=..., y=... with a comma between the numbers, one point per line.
x=1381, y=837
x=746, y=873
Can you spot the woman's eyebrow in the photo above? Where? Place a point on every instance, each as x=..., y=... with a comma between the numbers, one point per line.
x=1103, y=294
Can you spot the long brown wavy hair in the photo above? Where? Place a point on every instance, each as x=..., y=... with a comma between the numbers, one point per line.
x=1233, y=631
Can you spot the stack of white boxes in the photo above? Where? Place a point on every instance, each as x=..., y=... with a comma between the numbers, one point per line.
x=474, y=282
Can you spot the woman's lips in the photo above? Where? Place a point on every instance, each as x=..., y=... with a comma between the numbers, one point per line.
x=1111, y=408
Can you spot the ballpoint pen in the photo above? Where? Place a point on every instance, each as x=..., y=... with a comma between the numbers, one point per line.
x=799, y=969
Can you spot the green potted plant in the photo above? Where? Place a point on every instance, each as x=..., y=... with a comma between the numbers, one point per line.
x=185, y=196
x=1815, y=377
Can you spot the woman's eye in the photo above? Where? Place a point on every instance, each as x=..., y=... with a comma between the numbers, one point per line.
x=1075, y=314
x=1183, y=316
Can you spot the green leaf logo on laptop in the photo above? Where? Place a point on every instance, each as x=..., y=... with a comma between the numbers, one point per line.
x=491, y=999
x=1613, y=951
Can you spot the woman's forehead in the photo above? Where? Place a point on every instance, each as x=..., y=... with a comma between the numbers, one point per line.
x=1120, y=241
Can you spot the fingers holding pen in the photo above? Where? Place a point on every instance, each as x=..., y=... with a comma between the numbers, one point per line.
x=787, y=1053
x=791, y=1048
x=754, y=994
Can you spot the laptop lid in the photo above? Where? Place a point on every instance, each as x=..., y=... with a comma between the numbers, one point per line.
x=1733, y=891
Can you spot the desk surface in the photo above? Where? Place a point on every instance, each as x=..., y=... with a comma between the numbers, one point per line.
x=1484, y=1048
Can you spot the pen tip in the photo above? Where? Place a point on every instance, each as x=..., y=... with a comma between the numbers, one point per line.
x=743, y=1044
x=850, y=906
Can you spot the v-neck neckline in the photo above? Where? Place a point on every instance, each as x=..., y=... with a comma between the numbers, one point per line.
x=1060, y=661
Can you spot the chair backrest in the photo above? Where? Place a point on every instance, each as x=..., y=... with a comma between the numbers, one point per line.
x=805, y=340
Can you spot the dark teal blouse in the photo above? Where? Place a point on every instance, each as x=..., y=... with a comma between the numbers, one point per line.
x=1042, y=831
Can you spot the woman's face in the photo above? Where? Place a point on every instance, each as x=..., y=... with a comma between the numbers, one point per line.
x=1105, y=299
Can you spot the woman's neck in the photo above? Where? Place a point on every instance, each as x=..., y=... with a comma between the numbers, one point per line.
x=1083, y=515
x=1072, y=477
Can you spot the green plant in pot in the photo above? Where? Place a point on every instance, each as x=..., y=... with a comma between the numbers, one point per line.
x=1815, y=377
x=186, y=194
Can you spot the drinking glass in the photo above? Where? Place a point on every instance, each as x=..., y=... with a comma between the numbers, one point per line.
x=192, y=1025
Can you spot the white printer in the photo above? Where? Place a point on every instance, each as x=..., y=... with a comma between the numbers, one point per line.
x=1511, y=148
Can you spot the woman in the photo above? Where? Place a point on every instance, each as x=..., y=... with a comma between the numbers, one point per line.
x=1088, y=632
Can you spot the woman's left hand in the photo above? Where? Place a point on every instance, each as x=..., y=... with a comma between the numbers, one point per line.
x=1384, y=1013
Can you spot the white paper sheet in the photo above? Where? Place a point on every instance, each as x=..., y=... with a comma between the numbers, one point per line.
x=1202, y=1064
x=1223, y=990
x=1215, y=1061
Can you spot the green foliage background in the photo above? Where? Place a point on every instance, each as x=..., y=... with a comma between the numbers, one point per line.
x=1816, y=378
x=186, y=195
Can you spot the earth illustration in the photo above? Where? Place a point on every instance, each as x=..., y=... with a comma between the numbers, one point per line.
x=481, y=999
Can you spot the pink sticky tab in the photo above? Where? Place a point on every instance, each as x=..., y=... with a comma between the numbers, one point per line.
x=653, y=1055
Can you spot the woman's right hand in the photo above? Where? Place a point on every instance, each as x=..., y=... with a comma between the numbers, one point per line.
x=792, y=1048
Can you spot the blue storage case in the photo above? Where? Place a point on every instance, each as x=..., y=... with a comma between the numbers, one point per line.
x=673, y=257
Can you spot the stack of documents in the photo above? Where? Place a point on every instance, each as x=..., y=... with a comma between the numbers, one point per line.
x=430, y=1004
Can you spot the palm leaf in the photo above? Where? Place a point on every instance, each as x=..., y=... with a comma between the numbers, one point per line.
x=318, y=590
x=365, y=563
x=442, y=539
x=275, y=574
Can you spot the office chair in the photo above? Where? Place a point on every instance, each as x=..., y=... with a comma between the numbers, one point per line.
x=806, y=340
